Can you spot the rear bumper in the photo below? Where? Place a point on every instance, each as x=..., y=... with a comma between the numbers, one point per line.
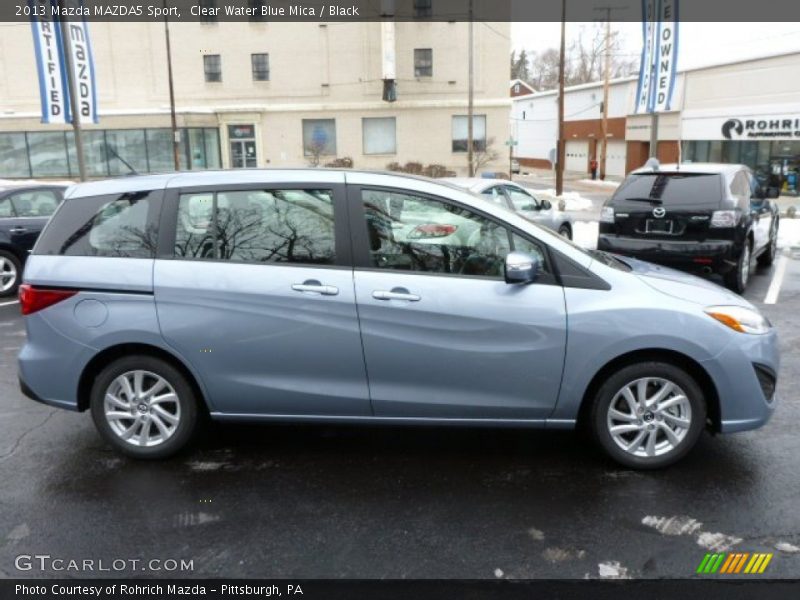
x=719, y=255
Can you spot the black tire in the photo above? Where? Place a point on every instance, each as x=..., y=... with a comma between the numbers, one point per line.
x=599, y=416
x=17, y=266
x=565, y=231
x=736, y=279
x=187, y=402
x=767, y=257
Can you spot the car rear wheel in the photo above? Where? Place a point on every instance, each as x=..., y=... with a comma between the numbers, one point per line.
x=737, y=278
x=144, y=407
x=565, y=231
x=768, y=256
x=648, y=415
x=10, y=272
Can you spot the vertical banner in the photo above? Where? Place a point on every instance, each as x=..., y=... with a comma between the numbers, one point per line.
x=666, y=55
x=49, y=63
x=83, y=69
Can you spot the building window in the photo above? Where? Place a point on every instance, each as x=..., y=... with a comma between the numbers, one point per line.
x=516, y=88
x=380, y=135
x=461, y=133
x=14, y=155
x=319, y=137
x=423, y=9
x=256, y=7
x=212, y=66
x=260, y=64
x=208, y=11
x=423, y=62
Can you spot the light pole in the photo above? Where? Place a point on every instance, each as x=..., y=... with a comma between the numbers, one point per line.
x=560, y=152
x=176, y=142
x=74, y=105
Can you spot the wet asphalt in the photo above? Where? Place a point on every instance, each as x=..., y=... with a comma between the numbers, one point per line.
x=380, y=502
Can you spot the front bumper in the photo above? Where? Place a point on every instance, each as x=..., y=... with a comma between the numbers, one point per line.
x=719, y=255
x=743, y=395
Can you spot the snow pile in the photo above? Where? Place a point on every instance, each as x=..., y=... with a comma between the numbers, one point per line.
x=600, y=182
x=789, y=233
x=584, y=233
x=572, y=200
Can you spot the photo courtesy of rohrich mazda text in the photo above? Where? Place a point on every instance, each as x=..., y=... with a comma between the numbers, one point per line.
x=441, y=298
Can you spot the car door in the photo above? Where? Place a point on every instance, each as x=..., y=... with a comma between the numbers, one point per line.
x=444, y=336
x=33, y=208
x=255, y=290
x=528, y=205
x=761, y=211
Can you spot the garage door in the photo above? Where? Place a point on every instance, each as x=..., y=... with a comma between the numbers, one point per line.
x=577, y=156
x=615, y=158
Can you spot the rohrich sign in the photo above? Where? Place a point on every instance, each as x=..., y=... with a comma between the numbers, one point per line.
x=752, y=127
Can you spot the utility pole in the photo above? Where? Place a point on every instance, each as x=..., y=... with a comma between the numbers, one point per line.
x=176, y=142
x=606, y=86
x=471, y=95
x=74, y=105
x=560, y=150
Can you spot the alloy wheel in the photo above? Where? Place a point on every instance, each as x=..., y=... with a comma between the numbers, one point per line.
x=649, y=417
x=142, y=408
x=745, y=269
x=8, y=274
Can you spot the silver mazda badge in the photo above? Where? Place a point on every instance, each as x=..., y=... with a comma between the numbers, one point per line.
x=659, y=211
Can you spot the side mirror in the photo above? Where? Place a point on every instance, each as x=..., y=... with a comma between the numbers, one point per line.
x=546, y=205
x=772, y=193
x=521, y=268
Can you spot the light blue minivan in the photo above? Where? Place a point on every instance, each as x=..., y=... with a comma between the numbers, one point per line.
x=358, y=297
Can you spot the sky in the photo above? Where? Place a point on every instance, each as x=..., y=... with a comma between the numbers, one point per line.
x=699, y=43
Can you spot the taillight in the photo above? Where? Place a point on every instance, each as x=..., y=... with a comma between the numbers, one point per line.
x=432, y=230
x=33, y=299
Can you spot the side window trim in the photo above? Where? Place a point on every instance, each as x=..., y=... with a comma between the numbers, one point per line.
x=169, y=219
x=360, y=236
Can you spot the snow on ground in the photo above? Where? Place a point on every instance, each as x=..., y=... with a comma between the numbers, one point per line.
x=584, y=233
x=789, y=233
x=572, y=200
x=600, y=182
x=4, y=183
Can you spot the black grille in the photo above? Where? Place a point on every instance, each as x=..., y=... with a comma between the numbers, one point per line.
x=766, y=379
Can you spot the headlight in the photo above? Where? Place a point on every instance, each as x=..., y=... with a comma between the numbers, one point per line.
x=607, y=214
x=725, y=218
x=739, y=318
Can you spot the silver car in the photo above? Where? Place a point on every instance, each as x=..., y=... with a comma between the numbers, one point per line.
x=519, y=199
x=355, y=297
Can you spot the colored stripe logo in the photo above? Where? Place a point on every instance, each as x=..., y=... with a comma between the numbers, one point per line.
x=734, y=563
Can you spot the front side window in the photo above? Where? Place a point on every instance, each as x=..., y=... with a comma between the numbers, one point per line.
x=112, y=226
x=212, y=66
x=495, y=194
x=36, y=203
x=319, y=137
x=258, y=226
x=521, y=200
x=461, y=133
x=416, y=234
x=380, y=135
x=260, y=64
x=423, y=62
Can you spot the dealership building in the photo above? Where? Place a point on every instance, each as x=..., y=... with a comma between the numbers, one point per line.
x=257, y=93
x=740, y=112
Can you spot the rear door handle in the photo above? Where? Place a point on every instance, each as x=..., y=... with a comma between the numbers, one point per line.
x=315, y=287
x=18, y=230
x=396, y=294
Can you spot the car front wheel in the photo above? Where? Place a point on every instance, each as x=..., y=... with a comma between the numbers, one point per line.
x=648, y=415
x=144, y=407
x=737, y=279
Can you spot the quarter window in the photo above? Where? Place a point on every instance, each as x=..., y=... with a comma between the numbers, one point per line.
x=259, y=226
x=412, y=233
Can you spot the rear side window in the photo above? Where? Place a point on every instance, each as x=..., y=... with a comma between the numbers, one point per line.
x=36, y=203
x=6, y=210
x=672, y=188
x=258, y=226
x=119, y=225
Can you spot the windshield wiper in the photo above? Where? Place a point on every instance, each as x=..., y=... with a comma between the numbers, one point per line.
x=653, y=200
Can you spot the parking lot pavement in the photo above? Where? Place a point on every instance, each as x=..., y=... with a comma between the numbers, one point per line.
x=292, y=501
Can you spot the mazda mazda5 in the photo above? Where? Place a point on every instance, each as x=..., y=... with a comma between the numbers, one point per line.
x=354, y=297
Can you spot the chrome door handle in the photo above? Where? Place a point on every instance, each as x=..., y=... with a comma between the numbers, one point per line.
x=315, y=287
x=18, y=230
x=395, y=294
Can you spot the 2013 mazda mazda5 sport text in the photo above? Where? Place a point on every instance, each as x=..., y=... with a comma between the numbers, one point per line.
x=333, y=296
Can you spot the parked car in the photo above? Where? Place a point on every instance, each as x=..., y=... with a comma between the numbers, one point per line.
x=713, y=218
x=515, y=166
x=24, y=210
x=520, y=200
x=266, y=295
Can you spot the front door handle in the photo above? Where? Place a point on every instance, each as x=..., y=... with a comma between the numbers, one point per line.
x=396, y=294
x=18, y=230
x=315, y=287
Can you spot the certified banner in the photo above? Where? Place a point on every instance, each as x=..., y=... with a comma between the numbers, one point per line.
x=647, y=63
x=658, y=67
x=82, y=68
x=49, y=63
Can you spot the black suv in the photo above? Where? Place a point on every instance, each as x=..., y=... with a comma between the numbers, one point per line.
x=24, y=211
x=713, y=218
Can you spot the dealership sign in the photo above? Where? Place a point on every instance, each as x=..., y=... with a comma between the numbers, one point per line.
x=659, y=62
x=51, y=65
x=753, y=127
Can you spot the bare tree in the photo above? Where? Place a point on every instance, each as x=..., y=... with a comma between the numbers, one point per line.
x=484, y=154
